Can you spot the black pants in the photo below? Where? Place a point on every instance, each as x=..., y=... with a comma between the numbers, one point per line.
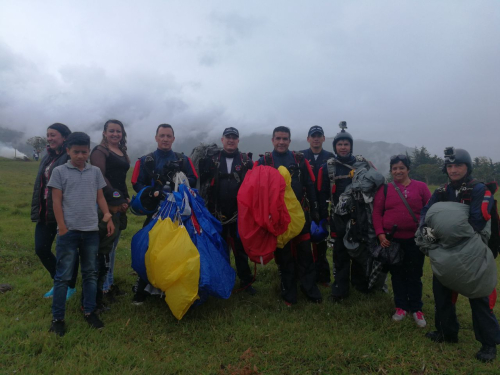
x=322, y=266
x=103, y=263
x=346, y=271
x=300, y=267
x=230, y=235
x=45, y=233
x=407, y=277
x=484, y=321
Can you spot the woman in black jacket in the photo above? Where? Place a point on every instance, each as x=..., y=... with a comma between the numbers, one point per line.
x=41, y=205
x=111, y=158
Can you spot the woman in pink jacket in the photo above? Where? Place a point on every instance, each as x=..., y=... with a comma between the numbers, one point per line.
x=389, y=209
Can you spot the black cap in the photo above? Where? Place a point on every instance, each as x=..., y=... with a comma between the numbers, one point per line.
x=114, y=197
x=231, y=130
x=315, y=129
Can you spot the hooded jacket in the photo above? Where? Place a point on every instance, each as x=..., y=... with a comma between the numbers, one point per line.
x=38, y=203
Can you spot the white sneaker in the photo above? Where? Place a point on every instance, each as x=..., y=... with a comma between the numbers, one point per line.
x=419, y=319
x=399, y=315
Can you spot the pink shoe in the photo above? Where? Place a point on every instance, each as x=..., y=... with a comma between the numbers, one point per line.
x=399, y=315
x=419, y=319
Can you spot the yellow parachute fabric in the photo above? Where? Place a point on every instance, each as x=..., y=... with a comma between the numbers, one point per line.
x=294, y=210
x=173, y=265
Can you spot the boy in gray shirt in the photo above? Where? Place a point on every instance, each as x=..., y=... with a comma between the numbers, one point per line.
x=76, y=187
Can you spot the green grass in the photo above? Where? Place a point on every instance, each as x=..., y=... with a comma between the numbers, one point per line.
x=242, y=335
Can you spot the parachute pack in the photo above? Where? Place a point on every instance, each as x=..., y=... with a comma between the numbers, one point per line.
x=465, y=196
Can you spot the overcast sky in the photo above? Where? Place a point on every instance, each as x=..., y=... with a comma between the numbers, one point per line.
x=414, y=72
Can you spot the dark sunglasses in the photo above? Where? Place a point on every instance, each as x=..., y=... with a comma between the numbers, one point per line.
x=400, y=156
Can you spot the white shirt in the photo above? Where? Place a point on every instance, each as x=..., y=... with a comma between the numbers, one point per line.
x=229, y=162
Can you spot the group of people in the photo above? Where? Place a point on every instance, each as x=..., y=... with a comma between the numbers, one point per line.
x=67, y=188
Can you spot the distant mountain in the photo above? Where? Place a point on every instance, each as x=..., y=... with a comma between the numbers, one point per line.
x=14, y=139
x=378, y=153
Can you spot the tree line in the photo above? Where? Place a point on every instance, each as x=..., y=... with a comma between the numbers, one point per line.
x=424, y=167
x=428, y=169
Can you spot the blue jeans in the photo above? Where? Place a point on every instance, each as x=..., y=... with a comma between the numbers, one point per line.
x=44, y=237
x=68, y=247
x=109, y=277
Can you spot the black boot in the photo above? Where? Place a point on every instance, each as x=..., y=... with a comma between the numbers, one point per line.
x=486, y=353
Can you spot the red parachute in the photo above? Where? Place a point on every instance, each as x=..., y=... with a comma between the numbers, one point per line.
x=262, y=213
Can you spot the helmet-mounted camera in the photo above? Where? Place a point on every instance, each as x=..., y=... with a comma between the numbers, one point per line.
x=343, y=126
x=449, y=154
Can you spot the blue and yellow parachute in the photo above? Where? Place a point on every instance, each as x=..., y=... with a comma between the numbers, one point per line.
x=182, y=253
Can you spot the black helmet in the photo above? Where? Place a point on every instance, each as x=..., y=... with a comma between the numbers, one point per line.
x=457, y=156
x=342, y=135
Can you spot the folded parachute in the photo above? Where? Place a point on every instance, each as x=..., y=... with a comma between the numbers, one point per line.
x=297, y=218
x=460, y=259
x=173, y=265
x=182, y=252
x=262, y=213
x=217, y=277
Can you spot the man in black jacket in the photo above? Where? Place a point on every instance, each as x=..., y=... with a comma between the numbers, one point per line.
x=154, y=173
x=346, y=269
x=463, y=188
x=316, y=157
x=302, y=265
x=224, y=172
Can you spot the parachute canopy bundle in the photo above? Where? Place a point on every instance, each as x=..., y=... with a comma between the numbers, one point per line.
x=460, y=258
x=182, y=252
x=353, y=213
x=269, y=214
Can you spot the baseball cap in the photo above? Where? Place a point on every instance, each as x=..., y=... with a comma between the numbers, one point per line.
x=114, y=197
x=315, y=129
x=231, y=130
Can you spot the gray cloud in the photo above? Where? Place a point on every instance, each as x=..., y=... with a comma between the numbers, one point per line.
x=421, y=73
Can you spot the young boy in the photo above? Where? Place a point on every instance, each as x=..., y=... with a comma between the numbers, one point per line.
x=76, y=187
x=115, y=200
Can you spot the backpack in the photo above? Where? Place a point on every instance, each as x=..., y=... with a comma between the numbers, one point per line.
x=465, y=196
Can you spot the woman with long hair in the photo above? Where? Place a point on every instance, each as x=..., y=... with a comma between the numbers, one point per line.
x=41, y=205
x=111, y=158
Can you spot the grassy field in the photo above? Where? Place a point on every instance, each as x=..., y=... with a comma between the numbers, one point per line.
x=242, y=335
